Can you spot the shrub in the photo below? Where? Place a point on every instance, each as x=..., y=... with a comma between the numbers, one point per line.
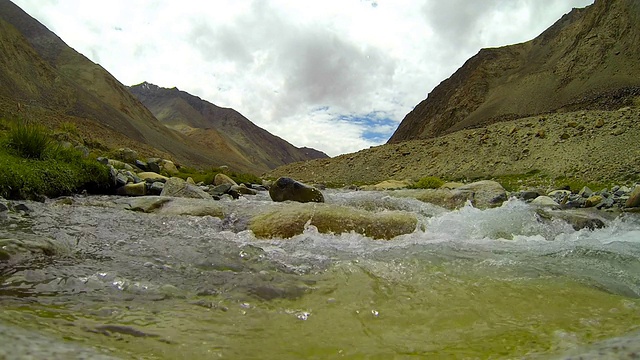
x=69, y=128
x=28, y=140
x=428, y=182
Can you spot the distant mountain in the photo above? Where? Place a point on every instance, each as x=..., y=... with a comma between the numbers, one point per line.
x=589, y=59
x=44, y=80
x=223, y=129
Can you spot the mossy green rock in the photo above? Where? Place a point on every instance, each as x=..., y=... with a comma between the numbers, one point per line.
x=290, y=220
x=286, y=188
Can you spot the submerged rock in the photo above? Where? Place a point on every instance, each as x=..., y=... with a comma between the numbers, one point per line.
x=291, y=220
x=22, y=245
x=285, y=189
x=578, y=219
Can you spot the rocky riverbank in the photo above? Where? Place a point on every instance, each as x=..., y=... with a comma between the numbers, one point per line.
x=595, y=146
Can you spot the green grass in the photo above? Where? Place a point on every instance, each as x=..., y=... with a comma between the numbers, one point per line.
x=535, y=179
x=428, y=182
x=33, y=165
x=28, y=140
x=207, y=176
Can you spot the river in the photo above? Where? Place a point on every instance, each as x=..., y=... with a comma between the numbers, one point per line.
x=467, y=284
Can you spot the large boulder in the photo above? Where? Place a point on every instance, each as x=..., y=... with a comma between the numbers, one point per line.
x=634, y=198
x=285, y=189
x=178, y=187
x=173, y=206
x=448, y=199
x=149, y=176
x=220, y=179
x=486, y=193
x=169, y=167
x=291, y=219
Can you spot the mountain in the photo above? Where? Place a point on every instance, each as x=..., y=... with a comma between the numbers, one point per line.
x=580, y=79
x=589, y=59
x=44, y=80
x=54, y=84
x=240, y=141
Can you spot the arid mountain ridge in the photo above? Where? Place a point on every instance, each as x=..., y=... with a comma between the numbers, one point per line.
x=46, y=81
x=587, y=60
x=563, y=105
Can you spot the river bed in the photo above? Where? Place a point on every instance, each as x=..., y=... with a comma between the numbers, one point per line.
x=467, y=284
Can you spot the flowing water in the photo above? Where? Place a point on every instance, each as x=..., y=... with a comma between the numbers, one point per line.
x=467, y=284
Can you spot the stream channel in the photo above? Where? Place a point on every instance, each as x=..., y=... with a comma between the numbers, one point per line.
x=467, y=284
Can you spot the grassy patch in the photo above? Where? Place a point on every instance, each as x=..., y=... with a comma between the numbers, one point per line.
x=535, y=179
x=428, y=182
x=208, y=175
x=28, y=140
x=34, y=165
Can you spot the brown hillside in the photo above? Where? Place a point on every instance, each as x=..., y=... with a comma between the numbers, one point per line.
x=55, y=83
x=589, y=59
x=588, y=145
x=232, y=135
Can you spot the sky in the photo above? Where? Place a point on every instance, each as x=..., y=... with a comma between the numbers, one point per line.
x=335, y=75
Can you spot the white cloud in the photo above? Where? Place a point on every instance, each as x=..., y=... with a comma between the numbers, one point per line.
x=279, y=61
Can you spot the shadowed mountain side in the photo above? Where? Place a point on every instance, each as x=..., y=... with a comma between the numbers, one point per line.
x=223, y=129
x=54, y=83
x=589, y=59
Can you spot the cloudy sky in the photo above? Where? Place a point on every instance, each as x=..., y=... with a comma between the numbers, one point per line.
x=335, y=75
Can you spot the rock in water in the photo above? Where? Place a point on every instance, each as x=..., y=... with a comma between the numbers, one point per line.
x=285, y=189
x=179, y=188
x=223, y=179
x=634, y=198
x=486, y=193
x=292, y=219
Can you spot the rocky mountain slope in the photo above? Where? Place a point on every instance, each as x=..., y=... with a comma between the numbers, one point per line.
x=45, y=81
x=243, y=143
x=53, y=83
x=588, y=145
x=589, y=59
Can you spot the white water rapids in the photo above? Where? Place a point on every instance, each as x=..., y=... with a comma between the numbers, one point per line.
x=496, y=283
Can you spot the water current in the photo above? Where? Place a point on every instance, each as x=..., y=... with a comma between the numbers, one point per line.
x=467, y=284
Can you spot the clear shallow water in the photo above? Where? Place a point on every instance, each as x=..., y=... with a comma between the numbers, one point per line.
x=498, y=283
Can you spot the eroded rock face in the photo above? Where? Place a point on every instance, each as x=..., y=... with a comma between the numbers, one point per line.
x=285, y=189
x=291, y=220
